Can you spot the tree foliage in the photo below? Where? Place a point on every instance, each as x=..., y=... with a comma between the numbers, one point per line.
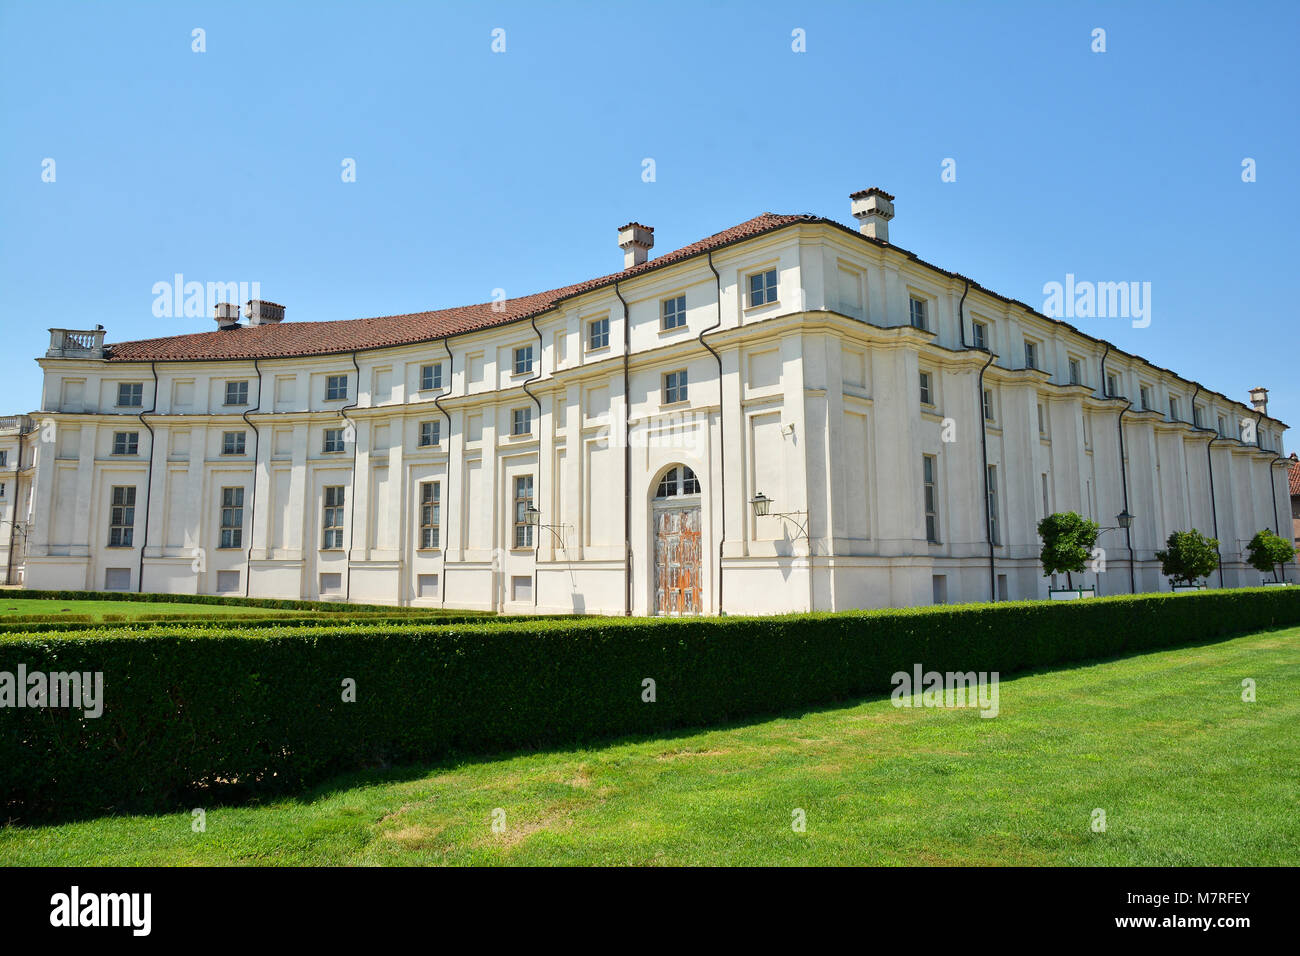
x=1189, y=556
x=1068, y=540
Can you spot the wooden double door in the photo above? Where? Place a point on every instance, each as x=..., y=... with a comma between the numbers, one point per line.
x=677, y=560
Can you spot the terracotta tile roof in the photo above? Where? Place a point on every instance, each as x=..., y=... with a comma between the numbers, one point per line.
x=292, y=339
x=1295, y=476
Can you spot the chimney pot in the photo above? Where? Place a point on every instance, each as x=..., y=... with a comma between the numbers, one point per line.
x=1259, y=399
x=636, y=241
x=873, y=208
x=227, y=315
x=262, y=312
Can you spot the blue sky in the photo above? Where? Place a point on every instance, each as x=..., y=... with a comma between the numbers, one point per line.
x=477, y=170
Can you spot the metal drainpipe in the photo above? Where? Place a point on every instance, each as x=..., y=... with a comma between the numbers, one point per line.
x=537, y=488
x=961, y=319
x=627, y=462
x=1123, y=477
x=252, y=507
x=722, y=432
x=437, y=401
x=1214, y=510
x=148, y=481
x=984, y=451
x=352, y=492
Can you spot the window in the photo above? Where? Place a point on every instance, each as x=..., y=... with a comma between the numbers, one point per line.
x=927, y=389
x=4, y=458
x=426, y=585
x=675, y=387
x=1031, y=354
x=521, y=587
x=674, y=313
x=117, y=579
x=762, y=288
x=331, y=582
x=931, y=499
x=979, y=335
x=1223, y=427
x=523, y=501
x=227, y=582
x=332, y=519
x=336, y=388
x=232, y=443
x=430, y=433
x=1173, y=408
x=1076, y=372
x=126, y=443
x=1197, y=415
x=130, y=394
x=237, y=393
x=521, y=421
x=1042, y=420
x=598, y=333
x=430, y=513
x=431, y=377
x=1144, y=397
x=333, y=440
x=121, y=516
x=1046, y=510
x=1112, y=386
x=988, y=404
x=2, y=489
x=916, y=312
x=677, y=481
x=993, y=504
x=232, y=517
x=524, y=360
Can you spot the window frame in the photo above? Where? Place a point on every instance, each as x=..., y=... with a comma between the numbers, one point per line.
x=135, y=390
x=979, y=334
x=332, y=388
x=675, y=387
x=121, y=516
x=525, y=367
x=930, y=497
x=526, y=413
x=768, y=294
x=989, y=415
x=240, y=439
x=1031, y=354
x=333, y=502
x=598, y=327
x=231, y=525
x=925, y=379
x=677, y=315
x=914, y=300
x=522, y=490
x=995, y=534
x=1074, y=370
x=430, y=515
x=237, y=382
x=327, y=441
x=434, y=377
x=130, y=444
x=430, y=435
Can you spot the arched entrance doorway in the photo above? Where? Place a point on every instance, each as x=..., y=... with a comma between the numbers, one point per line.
x=675, y=524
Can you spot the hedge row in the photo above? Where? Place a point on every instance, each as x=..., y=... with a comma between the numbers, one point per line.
x=69, y=623
x=277, y=603
x=195, y=717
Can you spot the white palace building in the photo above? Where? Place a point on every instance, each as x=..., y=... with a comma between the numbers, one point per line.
x=788, y=415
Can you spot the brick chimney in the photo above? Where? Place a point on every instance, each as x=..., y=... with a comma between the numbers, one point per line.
x=636, y=241
x=1259, y=399
x=873, y=208
x=261, y=312
x=227, y=315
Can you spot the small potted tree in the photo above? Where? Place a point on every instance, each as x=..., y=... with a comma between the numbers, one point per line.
x=1068, y=540
x=1268, y=553
x=1188, y=557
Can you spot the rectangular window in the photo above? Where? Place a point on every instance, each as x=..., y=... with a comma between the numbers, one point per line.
x=1197, y=415
x=130, y=394
x=673, y=313
x=762, y=288
x=1144, y=397
x=232, y=517
x=929, y=468
x=598, y=333
x=121, y=516
x=521, y=587
x=232, y=443
x=333, y=440
x=927, y=390
x=1042, y=420
x=237, y=393
x=227, y=582
x=523, y=502
x=1223, y=427
x=331, y=583
x=4, y=458
x=980, y=335
x=332, y=518
x=117, y=579
x=426, y=586
x=988, y=404
x=430, y=433
x=1173, y=408
x=524, y=360
x=993, y=504
x=1076, y=372
x=336, y=388
x=916, y=312
x=1031, y=354
x=430, y=513
x=1112, y=387
x=521, y=421
x=431, y=377
x=126, y=443
x=1046, y=510
x=2, y=489
x=675, y=387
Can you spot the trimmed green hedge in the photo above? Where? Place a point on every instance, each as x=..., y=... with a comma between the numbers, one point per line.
x=117, y=624
x=276, y=603
x=192, y=717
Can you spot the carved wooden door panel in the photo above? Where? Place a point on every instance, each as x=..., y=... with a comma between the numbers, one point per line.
x=677, y=561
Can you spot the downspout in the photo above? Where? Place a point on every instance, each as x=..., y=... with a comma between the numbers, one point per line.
x=13, y=521
x=1123, y=476
x=437, y=401
x=961, y=319
x=352, y=492
x=1209, y=464
x=627, y=462
x=252, y=507
x=148, y=481
x=984, y=451
x=722, y=434
x=537, y=488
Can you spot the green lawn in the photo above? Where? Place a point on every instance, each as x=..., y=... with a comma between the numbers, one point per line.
x=16, y=607
x=1186, y=772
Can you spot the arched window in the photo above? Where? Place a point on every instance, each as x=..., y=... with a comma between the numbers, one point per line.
x=677, y=481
